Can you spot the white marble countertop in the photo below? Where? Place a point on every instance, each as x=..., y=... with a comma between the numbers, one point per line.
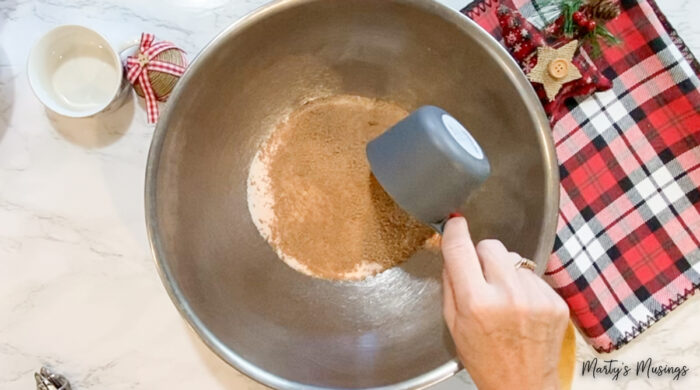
x=78, y=289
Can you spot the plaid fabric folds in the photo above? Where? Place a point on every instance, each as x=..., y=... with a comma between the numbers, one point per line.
x=627, y=247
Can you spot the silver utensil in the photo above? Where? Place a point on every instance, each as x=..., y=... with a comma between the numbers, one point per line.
x=48, y=380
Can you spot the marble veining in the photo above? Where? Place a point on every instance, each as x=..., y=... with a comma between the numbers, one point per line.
x=78, y=289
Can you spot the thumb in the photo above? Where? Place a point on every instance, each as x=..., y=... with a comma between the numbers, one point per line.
x=461, y=261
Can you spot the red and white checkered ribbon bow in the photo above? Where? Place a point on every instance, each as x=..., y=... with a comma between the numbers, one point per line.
x=139, y=64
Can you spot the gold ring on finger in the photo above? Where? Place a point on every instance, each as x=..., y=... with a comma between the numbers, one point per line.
x=526, y=263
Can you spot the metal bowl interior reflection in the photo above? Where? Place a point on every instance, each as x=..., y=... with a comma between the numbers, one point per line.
x=276, y=325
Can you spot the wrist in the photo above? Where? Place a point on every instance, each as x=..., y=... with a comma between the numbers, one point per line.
x=547, y=384
x=552, y=383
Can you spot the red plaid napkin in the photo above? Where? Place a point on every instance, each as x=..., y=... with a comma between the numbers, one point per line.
x=627, y=242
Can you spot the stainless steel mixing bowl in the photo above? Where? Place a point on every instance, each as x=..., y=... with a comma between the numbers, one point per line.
x=276, y=325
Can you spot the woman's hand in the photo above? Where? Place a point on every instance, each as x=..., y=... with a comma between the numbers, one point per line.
x=507, y=323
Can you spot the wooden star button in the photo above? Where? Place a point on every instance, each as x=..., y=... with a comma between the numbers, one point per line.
x=554, y=68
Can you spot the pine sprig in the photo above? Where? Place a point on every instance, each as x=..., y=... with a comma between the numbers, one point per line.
x=596, y=51
x=583, y=20
x=608, y=38
x=568, y=7
x=603, y=32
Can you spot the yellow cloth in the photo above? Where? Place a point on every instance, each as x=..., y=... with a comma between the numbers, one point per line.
x=567, y=360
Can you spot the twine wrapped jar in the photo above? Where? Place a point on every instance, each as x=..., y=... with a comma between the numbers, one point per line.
x=163, y=83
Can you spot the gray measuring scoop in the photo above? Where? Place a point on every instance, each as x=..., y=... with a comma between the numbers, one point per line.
x=429, y=164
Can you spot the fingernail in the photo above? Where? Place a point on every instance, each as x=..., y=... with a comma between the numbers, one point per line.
x=455, y=215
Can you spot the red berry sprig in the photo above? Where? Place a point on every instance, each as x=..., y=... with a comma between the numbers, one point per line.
x=591, y=25
x=584, y=20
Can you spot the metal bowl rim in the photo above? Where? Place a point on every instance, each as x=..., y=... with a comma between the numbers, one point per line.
x=465, y=24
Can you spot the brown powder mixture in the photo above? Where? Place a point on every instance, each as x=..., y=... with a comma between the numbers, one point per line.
x=330, y=214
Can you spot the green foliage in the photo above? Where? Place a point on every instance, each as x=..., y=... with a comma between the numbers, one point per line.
x=568, y=7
